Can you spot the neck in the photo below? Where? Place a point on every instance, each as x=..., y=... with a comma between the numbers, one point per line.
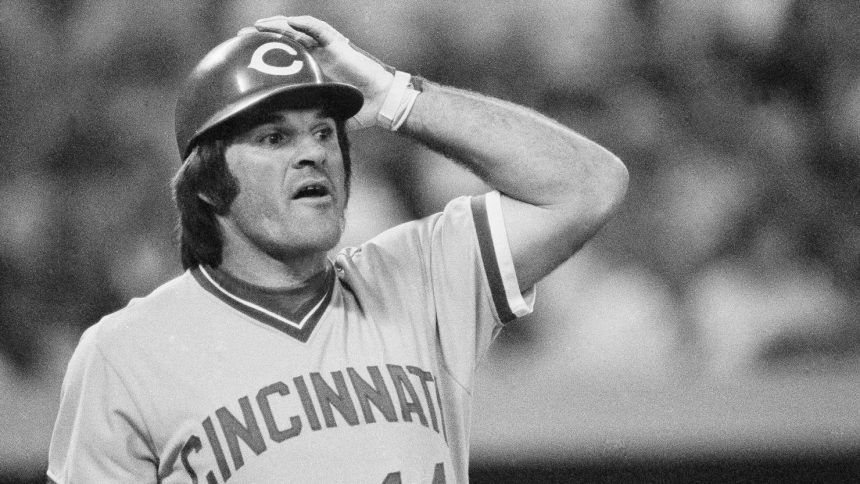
x=268, y=272
x=261, y=268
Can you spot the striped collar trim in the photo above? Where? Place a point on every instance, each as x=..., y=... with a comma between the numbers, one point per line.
x=300, y=330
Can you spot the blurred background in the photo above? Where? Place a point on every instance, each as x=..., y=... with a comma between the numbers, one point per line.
x=709, y=333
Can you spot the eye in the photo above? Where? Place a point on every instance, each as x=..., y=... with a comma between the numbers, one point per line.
x=324, y=133
x=272, y=139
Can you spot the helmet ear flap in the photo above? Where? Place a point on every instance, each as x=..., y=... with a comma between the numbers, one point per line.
x=250, y=69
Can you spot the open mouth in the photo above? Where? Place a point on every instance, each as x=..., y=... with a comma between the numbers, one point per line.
x=313, y=190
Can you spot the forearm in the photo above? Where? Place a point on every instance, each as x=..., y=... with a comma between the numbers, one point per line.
x=560, y=187
x=517, y=151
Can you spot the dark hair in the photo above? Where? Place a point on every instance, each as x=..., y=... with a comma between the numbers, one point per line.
x=204, y=188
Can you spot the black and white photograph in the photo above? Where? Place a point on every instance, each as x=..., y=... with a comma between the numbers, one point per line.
x=440, y=241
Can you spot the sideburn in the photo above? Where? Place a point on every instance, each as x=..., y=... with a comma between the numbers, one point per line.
x=217, y=186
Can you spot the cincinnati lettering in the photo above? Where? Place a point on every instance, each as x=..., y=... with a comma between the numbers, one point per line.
x=349, y=397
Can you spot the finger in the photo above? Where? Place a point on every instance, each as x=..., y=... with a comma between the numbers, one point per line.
x=324, y=33
x=307, y=41
x=279, y=25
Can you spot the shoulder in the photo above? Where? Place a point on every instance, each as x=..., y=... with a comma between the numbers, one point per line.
x=144, y=318
x=410, y=236
x=406, y=255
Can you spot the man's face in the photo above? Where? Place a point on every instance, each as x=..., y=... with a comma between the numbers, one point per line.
x=291, y=186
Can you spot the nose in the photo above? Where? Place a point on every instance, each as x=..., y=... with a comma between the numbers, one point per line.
x=309, y=152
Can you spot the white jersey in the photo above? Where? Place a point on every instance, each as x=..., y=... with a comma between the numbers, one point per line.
x=195, y=383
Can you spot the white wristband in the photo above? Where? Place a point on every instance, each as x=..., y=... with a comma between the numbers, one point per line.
x=398, y=102
x=404, y=109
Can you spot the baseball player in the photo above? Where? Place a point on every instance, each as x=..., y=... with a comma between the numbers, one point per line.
x=268, y=361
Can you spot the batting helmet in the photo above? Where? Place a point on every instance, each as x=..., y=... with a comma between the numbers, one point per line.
x=247, y=70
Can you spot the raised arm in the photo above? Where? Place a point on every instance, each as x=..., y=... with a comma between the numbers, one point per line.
x=558, y=187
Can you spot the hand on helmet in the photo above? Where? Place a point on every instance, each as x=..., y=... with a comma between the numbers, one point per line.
x=338, y=60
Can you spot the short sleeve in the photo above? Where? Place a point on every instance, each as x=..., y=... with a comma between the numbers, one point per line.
x=452, y=273
x=99, y=435
x=474, y=284
x=497, y=261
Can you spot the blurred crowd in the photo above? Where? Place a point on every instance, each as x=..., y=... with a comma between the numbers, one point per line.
x=738, y=249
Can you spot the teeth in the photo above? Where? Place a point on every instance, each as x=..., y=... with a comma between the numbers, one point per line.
x=312, y=191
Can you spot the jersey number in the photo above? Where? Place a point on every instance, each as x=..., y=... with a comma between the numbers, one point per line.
x=438, y=476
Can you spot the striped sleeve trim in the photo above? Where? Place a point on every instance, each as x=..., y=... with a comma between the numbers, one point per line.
x=510, y=303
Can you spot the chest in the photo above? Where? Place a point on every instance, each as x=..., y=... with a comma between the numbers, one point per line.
x=361, y=393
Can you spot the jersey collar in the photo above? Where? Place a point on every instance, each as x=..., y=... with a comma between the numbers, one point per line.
x=294, y=312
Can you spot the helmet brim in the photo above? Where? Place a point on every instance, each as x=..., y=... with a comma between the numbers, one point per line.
x=341, y=101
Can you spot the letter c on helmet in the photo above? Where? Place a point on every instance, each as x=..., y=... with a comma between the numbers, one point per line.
x=259, y=64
